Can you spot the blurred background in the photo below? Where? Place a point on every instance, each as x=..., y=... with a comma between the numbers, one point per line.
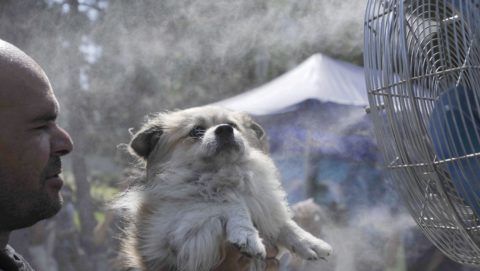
x=296, y=66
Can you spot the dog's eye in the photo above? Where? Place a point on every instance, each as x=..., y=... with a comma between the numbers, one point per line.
x=197, y=132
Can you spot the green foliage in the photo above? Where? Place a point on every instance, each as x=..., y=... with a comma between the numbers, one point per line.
x=99, y=217
x=103, y=192
x=76, y=220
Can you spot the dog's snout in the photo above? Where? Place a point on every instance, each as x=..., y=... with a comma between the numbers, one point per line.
x=224, y=130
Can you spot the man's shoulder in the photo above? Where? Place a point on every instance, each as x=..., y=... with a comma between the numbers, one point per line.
x=11, y=260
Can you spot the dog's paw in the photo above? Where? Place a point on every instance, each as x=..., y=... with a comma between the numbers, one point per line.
x=249, y=243
x=311, y=248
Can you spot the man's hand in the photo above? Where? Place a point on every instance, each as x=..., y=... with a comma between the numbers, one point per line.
x=271, y=260
x=236, y=261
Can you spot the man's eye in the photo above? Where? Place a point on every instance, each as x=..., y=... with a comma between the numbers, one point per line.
x=197, y=132
x=42, y=127
x=45, y=125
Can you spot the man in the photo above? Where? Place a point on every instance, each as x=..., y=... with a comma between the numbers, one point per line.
x=31, y=145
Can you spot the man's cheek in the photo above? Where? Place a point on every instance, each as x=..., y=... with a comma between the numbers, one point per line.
x=39, y=148
x=34, y=161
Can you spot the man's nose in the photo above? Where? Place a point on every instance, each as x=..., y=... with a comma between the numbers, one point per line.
x=62, y=143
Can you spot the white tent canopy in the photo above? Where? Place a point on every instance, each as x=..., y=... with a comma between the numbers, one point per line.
x=319, y=77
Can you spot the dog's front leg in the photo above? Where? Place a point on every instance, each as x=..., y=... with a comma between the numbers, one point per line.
x=241, y=232
x=303, y=243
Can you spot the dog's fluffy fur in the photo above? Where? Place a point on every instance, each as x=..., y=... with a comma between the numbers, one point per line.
x=209, y=181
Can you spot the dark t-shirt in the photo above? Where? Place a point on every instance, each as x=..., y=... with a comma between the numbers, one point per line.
x=12, y=261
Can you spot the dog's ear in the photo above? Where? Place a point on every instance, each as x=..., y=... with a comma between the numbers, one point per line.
x=259, y=132
x=261, y=136
x=144, y=141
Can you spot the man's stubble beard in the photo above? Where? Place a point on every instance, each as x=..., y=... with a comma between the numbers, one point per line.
x=15, y=214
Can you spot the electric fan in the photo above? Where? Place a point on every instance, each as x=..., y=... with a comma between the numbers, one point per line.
x=422, y=64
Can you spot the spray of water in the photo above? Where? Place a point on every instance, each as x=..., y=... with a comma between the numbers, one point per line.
x=367, y=241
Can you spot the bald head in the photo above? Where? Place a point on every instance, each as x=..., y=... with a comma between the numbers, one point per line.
x=19, y=74
x=10, y=54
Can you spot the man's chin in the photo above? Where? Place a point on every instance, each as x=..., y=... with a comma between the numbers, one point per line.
x=36, y=215
x=29, y=207
x=48, y=206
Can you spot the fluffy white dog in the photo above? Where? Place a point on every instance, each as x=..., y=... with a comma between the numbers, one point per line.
x=208, y=181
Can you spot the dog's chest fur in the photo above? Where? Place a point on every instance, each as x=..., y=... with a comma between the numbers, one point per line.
x=252, y=181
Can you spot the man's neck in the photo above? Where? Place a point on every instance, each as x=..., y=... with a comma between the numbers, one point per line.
x=4, y=235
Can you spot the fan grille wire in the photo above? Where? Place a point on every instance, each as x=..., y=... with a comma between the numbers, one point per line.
x=416, y=53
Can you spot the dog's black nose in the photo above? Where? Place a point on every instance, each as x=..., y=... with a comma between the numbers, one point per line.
x=224, y=130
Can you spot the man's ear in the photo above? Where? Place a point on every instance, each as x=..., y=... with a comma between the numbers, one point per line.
x=144, y=141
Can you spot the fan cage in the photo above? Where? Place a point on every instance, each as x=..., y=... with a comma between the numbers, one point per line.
x=422, y=64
